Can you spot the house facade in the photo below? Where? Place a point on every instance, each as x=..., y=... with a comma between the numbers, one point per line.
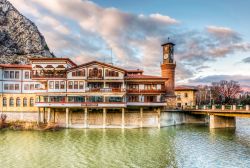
x=185, y=96
x=94, y=94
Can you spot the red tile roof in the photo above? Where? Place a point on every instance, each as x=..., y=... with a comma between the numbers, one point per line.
x=15, y=66
x=97, y=62
x=51, y=59
x=185, y=88
x=136, y=71
x=132, y=76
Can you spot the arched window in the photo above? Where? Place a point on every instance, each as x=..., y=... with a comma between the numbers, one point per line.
x=11, y=102
x=18, y=102
x=4, y=102
x=25, y=102
x=95, y=72
x=31, y=102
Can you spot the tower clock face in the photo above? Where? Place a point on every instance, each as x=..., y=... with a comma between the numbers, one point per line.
x=165, y=56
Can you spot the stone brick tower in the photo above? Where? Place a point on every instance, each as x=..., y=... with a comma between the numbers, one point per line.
x=168, y=68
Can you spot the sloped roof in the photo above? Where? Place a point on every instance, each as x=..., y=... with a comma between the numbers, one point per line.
x=97, y=62
x=15, y=66
x=132, y=76
x=52, y=59
x=186, y=88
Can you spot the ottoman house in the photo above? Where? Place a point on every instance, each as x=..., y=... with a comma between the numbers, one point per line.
x=93, y=94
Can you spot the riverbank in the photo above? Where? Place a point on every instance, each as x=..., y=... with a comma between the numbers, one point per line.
x=24, y=126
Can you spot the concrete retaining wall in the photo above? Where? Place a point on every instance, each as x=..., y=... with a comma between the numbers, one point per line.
x=113, y=118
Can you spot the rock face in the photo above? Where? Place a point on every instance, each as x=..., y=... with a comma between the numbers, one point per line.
x=19, y=37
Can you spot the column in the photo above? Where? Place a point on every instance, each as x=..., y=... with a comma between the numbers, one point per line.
x=49, y=114
x=123, y=117
x=38, y=117
x=159, y=117
x=54, y=113
x=247, y=107
x=67, y=118
x=223, y=107
x=123, y=86
x=70, y=118
x=104, y=117
x=141, y=117
x=221, y=122
x=85, y=117
x=234, y=107
x=43, y=115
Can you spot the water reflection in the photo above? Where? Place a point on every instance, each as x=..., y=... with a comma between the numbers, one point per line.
x=180, y=146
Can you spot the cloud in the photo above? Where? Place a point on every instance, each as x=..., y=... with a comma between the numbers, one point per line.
x=84, y=31
x=246, y=60
x=222, y=32
x=242, y=79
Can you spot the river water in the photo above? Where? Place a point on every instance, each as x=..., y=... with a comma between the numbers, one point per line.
x=185, y=146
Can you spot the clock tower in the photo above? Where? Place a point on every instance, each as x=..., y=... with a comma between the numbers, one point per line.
x=168, y=67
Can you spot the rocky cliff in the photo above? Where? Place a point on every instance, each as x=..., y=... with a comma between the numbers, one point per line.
x=19, y=37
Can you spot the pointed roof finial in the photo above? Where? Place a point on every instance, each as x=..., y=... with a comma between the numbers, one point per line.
x=168, y=39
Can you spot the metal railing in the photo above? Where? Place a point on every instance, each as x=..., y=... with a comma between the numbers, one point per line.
x=218, y=107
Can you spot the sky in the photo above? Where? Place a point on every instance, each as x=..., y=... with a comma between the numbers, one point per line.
x=212, y=37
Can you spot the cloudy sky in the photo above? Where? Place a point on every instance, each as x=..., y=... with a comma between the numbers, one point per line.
x=212, y=37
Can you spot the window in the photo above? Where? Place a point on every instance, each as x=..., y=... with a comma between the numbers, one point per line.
x=25, y=102
x=27, y=75
x=70, y=85
x=133, y=98
x=62, y=85
x=51, y=84
x=81, y=84
x=95, y=73
x=16, y=74
x=6, y=87
x=114, y=99
x=18, y=102
x=150, y=87
x=185, y=95
x=150, y=99
x=31, y=86
x=11, y=87
x=11, y=74
x=4, y=102
x=56, y=84
x=16, y=86
x=134, y=86
x=111, y=73
x=31, y=102
x=26, y=87
x=75, y=85
x=11, y=102
x=37, y=86
x=79, y=73
x=6, y=74
x=78, y=99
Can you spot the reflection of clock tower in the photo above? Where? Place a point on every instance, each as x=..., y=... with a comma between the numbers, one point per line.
x=168, y=67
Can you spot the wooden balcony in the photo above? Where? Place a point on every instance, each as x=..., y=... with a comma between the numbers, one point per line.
x=103, y=90
x=95, y=77
x=48, y=76
x=145, y=91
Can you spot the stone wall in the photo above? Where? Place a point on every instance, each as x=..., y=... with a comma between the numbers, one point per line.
x=113, y=118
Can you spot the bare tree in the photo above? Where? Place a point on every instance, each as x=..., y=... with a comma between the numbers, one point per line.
x=225, y=91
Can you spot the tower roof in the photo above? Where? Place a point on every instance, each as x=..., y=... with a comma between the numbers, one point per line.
x=168, y=43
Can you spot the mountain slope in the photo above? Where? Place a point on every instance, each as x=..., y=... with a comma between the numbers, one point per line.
x=19, y=37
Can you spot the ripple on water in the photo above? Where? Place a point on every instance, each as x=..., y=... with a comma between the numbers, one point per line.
x=181, y=146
